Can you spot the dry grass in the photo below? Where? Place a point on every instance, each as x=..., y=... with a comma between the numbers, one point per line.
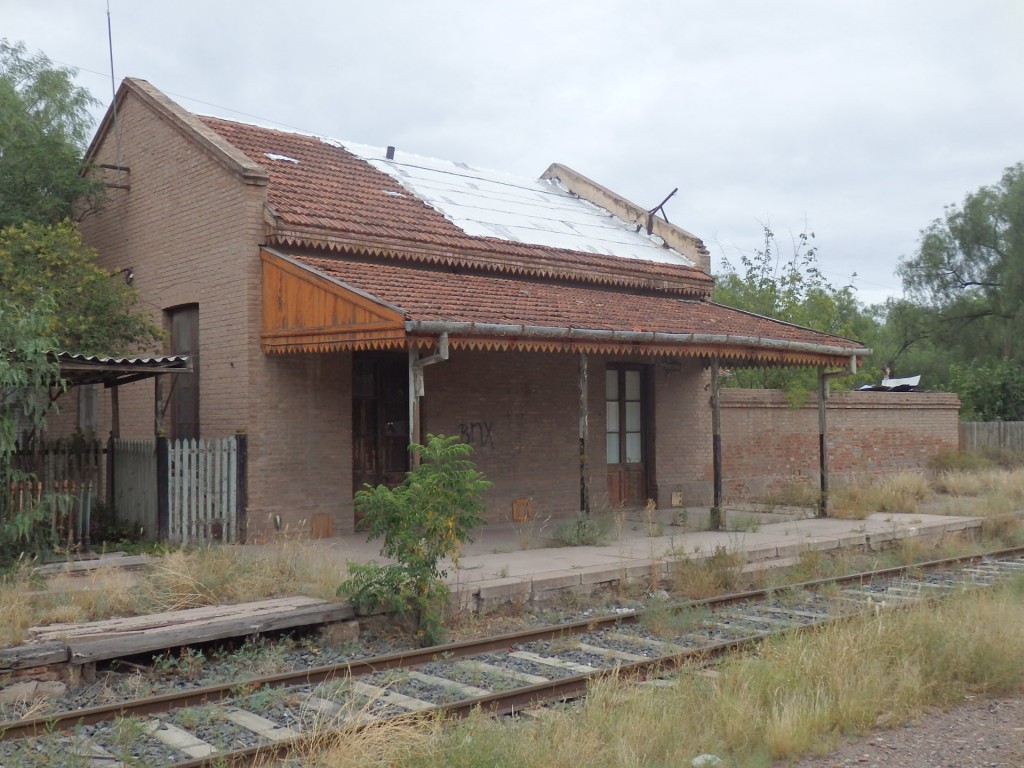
x=697, y=578
x=181, y=579
x=797, y=695
x=1002, y=482
x=229, y=574
x=894, y=493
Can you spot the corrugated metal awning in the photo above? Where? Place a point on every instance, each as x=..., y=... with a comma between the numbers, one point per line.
x=78, y=369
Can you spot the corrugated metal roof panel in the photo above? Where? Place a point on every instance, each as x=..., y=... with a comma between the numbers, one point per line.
x=484, y=203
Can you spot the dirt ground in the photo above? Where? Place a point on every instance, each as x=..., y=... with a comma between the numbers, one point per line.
x=982, y=732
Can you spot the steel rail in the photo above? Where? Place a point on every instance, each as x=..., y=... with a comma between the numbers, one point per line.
x=46, y=724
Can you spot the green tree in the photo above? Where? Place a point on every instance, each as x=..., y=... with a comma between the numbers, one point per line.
x=993, y=392
x=49, y=263
x=28, y=373
x=44, y=126
x=965, y=287
x=425, y=519
x=791, y=289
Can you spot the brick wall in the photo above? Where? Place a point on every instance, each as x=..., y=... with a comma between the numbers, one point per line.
x=190, y=229
x=520, y=413
x=767, y=444
x=301, y=448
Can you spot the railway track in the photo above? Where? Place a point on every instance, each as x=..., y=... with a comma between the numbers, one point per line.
x=230, y=724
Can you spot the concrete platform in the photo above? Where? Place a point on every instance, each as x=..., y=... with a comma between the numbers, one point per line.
x=516, y=563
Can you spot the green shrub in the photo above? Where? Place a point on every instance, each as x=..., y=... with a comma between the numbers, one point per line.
x=582, y=531
x=425, y=519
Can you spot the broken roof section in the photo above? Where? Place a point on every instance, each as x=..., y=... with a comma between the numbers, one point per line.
x=321, y=195
x=484, y=203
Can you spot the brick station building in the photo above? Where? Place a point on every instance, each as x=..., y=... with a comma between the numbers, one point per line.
x=340, y=301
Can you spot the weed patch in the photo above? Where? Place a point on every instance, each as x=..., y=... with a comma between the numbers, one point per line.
x=698, y=578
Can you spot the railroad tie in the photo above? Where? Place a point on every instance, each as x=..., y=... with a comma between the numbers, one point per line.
x=482, y=667
x=97, y=756
x=179, y=739
x=376, y=693
x=611, y=653
x=469, y=691
x=261, y=726
x=333, y=710
x=572, y=666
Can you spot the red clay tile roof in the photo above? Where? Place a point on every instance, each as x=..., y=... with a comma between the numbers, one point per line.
x=429, y=294
x=330, y=198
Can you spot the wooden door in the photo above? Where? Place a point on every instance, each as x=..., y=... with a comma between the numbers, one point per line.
x=184, y=392
x=626, y=435
x=380, y=420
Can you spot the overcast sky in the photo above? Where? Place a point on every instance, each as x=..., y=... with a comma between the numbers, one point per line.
x=857, y=119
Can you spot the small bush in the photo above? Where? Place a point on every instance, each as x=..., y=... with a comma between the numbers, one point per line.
x=425, y=519
x=583, y=531
x=709, y=576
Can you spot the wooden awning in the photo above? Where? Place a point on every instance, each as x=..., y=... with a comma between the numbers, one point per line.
x=305, y=311
x=318, y=303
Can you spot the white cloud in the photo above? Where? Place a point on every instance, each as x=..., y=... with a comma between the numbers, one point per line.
x=858, y=118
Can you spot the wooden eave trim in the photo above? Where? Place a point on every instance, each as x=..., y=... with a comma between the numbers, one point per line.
x=325, y=344
x=699, y=286
x=386, y=328
x=736, y=356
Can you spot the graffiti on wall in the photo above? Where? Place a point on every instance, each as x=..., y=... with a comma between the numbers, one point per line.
x=477, y=433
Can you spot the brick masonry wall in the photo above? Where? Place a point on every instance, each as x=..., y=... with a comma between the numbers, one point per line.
x=768, y=445
x=519, y=411
x=682, y=427
x=301, y=447
x=190, y=230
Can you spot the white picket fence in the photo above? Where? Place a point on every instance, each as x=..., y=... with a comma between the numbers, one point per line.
x=202, y=488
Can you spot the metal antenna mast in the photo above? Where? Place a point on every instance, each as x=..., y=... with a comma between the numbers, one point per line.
x=113, y=92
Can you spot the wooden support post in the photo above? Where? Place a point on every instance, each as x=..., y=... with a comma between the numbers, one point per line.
x=163, y=501
x=115, y=432
x=823, y=441
x=716, y=445
x=415, y=392
x=242, y=487
x=584, y=436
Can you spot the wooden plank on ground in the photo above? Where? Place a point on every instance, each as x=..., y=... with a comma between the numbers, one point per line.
x=92, y=648
x=33, y=655
x=132, y=624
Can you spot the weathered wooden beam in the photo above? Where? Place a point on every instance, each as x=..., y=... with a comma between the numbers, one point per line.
x=716, y=444
x=128, y=645
x=33, y=655
x=823, y=441
x=584, y=434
